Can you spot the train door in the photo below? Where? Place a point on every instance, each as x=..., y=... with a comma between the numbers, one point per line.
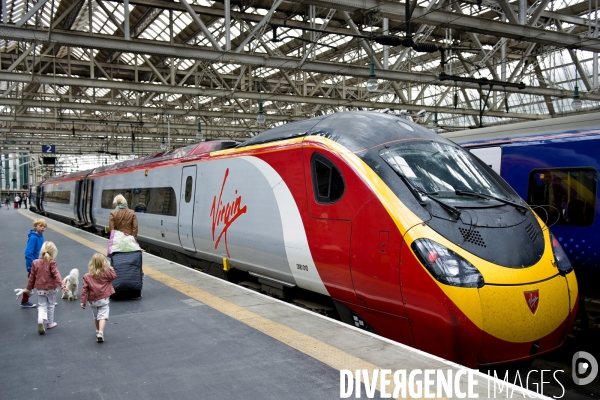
x=492, y=156
x=77, y=210
x=186, y=207
x=83, y=201
x=330, y=227
x=39, y=194
x=87, y=197
x=359, y=241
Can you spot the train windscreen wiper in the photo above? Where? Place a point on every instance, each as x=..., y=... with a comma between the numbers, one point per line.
x=518, y=206
x=416, y=191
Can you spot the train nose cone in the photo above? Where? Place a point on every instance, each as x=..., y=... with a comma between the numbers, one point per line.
x=523, y=320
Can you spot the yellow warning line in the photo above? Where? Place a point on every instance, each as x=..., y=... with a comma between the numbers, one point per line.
x=308, y=345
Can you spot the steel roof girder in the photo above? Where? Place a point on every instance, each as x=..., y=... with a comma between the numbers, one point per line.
x=395, y=11
x=199, y=22
x=24, y=134
x=542, y=12
x=509, y=12
x=97, y=41
x=217, y=12
x=251, y=95
x=31, y=12
x=220, y=93
x=63, y=105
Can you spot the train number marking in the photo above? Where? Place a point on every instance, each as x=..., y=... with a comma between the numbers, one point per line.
x=225, y=214
x=302, y=267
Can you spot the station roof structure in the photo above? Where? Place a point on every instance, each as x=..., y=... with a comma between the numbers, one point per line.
x=123, y=77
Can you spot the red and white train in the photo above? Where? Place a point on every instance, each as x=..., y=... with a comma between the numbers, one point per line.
x=406, y=233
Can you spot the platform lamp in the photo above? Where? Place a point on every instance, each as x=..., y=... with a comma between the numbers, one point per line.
x=436, y=123
x=199, y=131
x=576, y=103
x=260, y=118
x=169, y=131
x=372, y=83
x=163, y=146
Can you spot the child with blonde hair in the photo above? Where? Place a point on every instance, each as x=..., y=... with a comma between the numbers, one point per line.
x=35, y=240
x=97, y=288
x=46, y=279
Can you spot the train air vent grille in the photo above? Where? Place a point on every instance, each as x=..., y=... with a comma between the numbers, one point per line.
x=532, y=232
x=472, y=236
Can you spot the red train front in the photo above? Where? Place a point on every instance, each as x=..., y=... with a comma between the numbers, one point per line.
x=416, y=240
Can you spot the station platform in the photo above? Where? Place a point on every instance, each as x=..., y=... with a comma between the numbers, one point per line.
x=190, y=336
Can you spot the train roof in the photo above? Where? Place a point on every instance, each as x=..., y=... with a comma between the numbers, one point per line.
x=74, y=175
x=355, y=130
x=563, y=127
x=358, y=131
x=283, y=132
x=187, y=151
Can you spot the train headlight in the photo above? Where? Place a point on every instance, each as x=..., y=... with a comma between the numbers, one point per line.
x=445, y=265
x=562, y=261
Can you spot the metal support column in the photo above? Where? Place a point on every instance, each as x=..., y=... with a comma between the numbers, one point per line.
x=386, y=49
x=523, y=12
x=4, y=12
x=227, y=25
x=595, y=55
x=126, y=18
x=503, y=57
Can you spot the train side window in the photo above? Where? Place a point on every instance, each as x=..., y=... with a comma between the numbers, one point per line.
x=564, y=196
x=57, y=196
x=160, y=201
x=188, y=189
x=328, y=182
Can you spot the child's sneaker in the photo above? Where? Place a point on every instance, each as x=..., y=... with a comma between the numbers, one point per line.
x=41, y=328
x=52, y=325
x=100, y=337
x=28, y=304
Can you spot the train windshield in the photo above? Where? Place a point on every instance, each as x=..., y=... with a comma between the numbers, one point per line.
x=440, y=169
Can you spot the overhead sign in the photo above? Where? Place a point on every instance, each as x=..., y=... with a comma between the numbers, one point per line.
x=48, y=148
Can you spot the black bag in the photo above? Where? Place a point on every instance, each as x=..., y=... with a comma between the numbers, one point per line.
x=128, y=267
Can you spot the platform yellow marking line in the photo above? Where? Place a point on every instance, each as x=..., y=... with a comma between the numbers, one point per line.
x=308, y=345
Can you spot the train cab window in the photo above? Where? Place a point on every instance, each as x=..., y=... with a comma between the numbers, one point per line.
x=328, y=182
x=188, y=189
x=564, y=196
x=440, y=169
x=160, y=201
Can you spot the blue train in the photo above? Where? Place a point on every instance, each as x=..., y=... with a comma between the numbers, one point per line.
x=553, y=165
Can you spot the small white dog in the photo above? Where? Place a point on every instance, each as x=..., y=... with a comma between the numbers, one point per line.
x=71, y=282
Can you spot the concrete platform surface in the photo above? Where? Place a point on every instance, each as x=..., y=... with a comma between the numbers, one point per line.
x=191, y=336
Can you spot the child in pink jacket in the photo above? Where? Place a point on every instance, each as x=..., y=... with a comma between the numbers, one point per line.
x=46, y=279
x=97, y=288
